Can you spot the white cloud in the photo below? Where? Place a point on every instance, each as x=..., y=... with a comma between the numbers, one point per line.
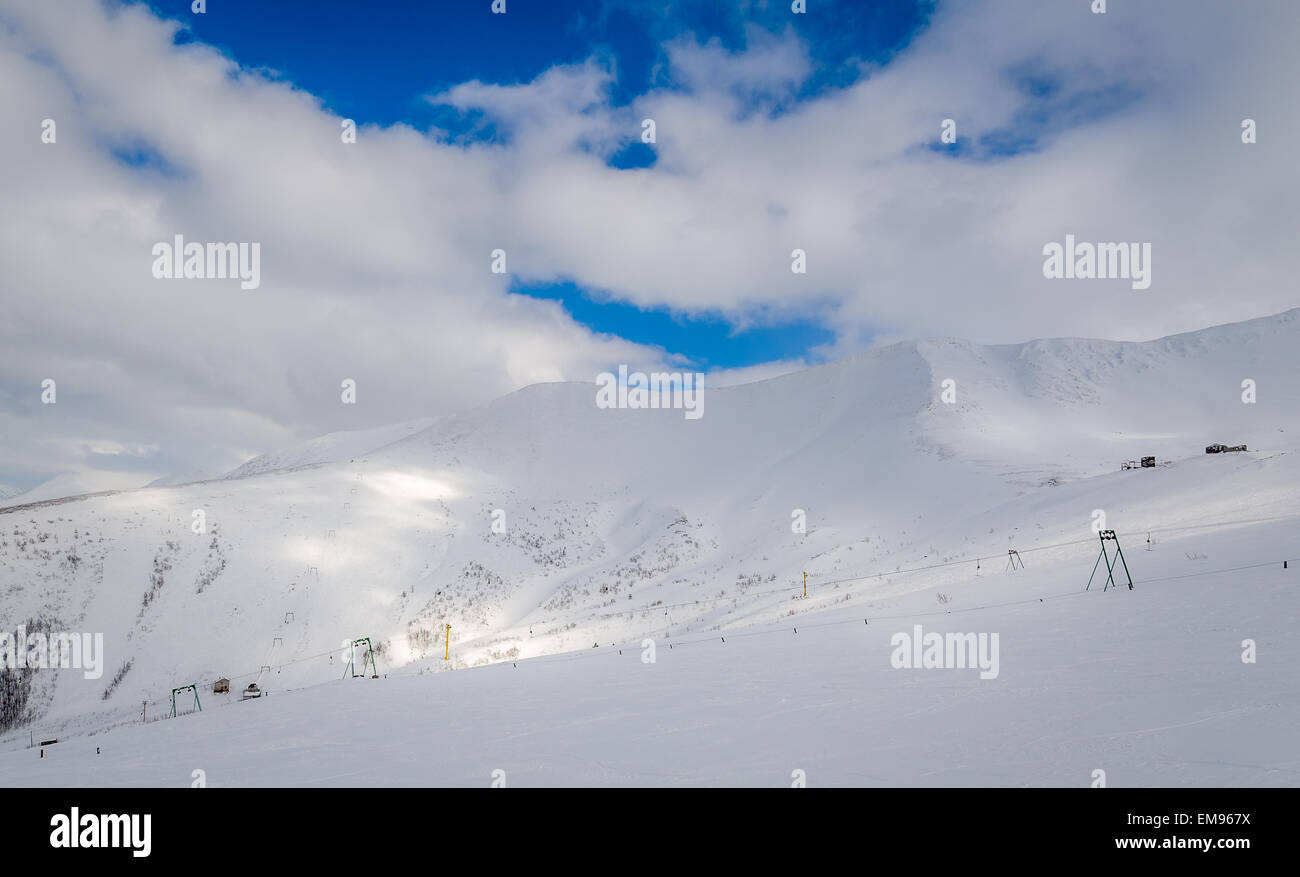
x=375, y=256
x=769, y=67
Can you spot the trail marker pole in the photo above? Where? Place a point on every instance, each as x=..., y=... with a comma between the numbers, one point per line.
x=446, y=656
x=1111, y=566
x=805, y=584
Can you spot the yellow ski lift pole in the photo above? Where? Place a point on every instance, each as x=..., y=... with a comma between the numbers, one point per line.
x=447, y=654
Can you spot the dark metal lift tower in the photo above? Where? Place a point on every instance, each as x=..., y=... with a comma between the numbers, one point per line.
x=1109, y=535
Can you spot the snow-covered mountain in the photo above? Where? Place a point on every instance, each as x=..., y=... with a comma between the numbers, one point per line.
x=331, y=448
x=177, y=478
x=70, y=484
x=540, y=523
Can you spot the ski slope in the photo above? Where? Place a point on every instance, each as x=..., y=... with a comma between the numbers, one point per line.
x=618, y=526
x=1145, y=685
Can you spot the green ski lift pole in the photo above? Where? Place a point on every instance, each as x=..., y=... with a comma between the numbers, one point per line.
x=1111, y=566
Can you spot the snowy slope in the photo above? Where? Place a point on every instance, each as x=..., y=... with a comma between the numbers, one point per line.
x=71, y=484
x=1145, y=685
x=621, y=524
x=181, y=478
x=330, y=448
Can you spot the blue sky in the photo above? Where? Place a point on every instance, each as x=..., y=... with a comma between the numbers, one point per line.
x=377, y=62
x=374, y=62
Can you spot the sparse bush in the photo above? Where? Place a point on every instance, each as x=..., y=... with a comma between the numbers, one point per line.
x=117, y=679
